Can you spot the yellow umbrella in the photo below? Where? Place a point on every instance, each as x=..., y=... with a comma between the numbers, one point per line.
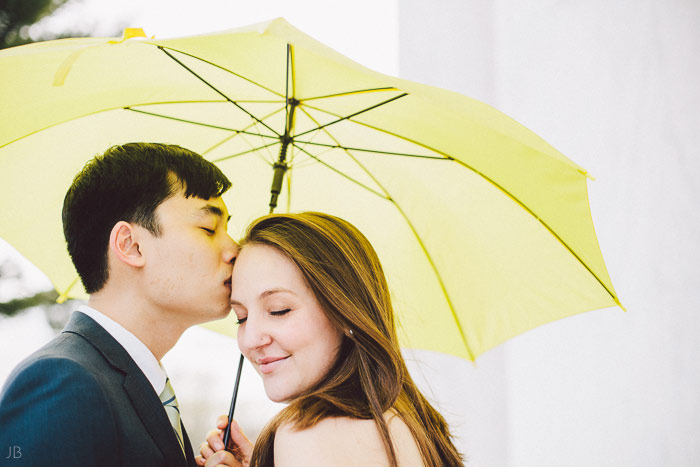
x=483, y=228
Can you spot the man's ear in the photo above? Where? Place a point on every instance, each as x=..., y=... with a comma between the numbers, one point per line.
x=123, y=242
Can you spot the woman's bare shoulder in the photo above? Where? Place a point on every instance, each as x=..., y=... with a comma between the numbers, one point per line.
x=344, y=441
x=404, y=443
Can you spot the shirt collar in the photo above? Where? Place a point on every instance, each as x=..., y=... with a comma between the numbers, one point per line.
x=136, y=349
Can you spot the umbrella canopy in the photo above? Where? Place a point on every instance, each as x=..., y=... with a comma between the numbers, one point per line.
x=484, y=229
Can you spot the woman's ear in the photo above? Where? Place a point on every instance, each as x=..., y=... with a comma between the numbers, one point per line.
x=123, y=242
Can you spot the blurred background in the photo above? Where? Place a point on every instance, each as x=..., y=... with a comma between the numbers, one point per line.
x=613, y=85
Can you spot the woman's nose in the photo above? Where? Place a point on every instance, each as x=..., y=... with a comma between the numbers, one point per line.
x=253, y=335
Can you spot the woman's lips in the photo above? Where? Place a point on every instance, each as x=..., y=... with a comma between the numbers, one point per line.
x=269, y=364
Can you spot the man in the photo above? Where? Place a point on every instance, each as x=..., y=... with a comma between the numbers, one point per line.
x=146, y=230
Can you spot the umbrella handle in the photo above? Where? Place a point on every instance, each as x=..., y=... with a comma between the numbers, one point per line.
x=227, y=432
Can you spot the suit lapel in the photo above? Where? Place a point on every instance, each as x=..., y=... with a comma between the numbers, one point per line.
x=150, y=409
x=146, y=402
x=188, y=446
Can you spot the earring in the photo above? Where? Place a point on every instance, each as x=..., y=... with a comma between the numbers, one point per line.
x=349, y=333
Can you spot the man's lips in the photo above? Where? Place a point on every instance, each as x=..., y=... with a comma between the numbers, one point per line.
x=227, y=283
x=268, y=364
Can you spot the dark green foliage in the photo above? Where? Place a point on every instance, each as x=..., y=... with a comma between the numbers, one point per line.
x=15, y=306
x=17, y=15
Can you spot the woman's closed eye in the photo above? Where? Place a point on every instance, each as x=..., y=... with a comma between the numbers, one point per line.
x=209, y=231
x=273, y=313
x=280, y=312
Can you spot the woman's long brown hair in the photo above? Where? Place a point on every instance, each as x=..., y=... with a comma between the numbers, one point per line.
x=369, y=376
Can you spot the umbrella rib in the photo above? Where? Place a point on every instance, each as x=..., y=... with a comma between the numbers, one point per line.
x=494, y=183
x=376, y=151
x=349, y=93
x=270, y=159
x=215, y=89
x=220, y=68
x=238, y=132
x=339, y=172
x=286, y=91
x=290, y=61
x=381, y=130
x=544, y=224
x=354, y=114
x=301, y=108
x=349, y=154
x=418, y=239
x=290, y=64
x=245, y=152
x=429, y=257
x=208, y=125
x=209, y=101
x=472, y=357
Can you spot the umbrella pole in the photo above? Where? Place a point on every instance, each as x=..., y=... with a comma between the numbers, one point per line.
x=227, y=432
x=279, y=169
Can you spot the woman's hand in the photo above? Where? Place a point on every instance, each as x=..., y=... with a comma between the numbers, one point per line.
x=212, y=451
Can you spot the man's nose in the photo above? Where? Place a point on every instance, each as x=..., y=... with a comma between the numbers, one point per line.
x=231, y=249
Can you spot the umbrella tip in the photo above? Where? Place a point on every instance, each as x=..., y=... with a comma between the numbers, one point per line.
x=587, y=175
x=617, y=301
x=130, y=33
x=63, y=296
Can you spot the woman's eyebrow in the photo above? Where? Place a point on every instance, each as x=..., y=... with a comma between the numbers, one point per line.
x=265, y=294
x=275, y=290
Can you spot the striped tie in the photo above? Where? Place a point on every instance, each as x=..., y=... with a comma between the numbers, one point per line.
x=167, y=397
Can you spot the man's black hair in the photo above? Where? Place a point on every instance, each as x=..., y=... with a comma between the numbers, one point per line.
x=127, y=183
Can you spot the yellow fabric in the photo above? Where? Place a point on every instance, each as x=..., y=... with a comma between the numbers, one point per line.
x=506, y=237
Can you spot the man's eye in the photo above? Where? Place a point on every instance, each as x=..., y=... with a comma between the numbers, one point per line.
x=241, y=320
x=280, y=312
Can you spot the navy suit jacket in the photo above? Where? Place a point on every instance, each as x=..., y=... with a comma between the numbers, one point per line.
x=81, y=400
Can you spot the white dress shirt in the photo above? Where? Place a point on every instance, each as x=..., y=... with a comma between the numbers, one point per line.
x=136, y=349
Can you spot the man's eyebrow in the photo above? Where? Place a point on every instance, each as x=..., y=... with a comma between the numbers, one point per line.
x=215, y=210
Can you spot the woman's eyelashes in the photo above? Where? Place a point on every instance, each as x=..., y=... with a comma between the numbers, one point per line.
x=209, y=231
x=272, y=312
x=280, y=312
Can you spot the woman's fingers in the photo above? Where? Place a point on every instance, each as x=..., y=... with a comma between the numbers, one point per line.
x=206, y=450
x=212, y=451
x=222, y=458
x=215, y=440
x=221, y=422
x=245, y=447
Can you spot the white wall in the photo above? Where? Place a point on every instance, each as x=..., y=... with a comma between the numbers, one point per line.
x=449, y=44
x=613, y=85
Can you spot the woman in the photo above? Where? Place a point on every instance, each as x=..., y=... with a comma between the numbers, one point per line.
x=317, y=324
